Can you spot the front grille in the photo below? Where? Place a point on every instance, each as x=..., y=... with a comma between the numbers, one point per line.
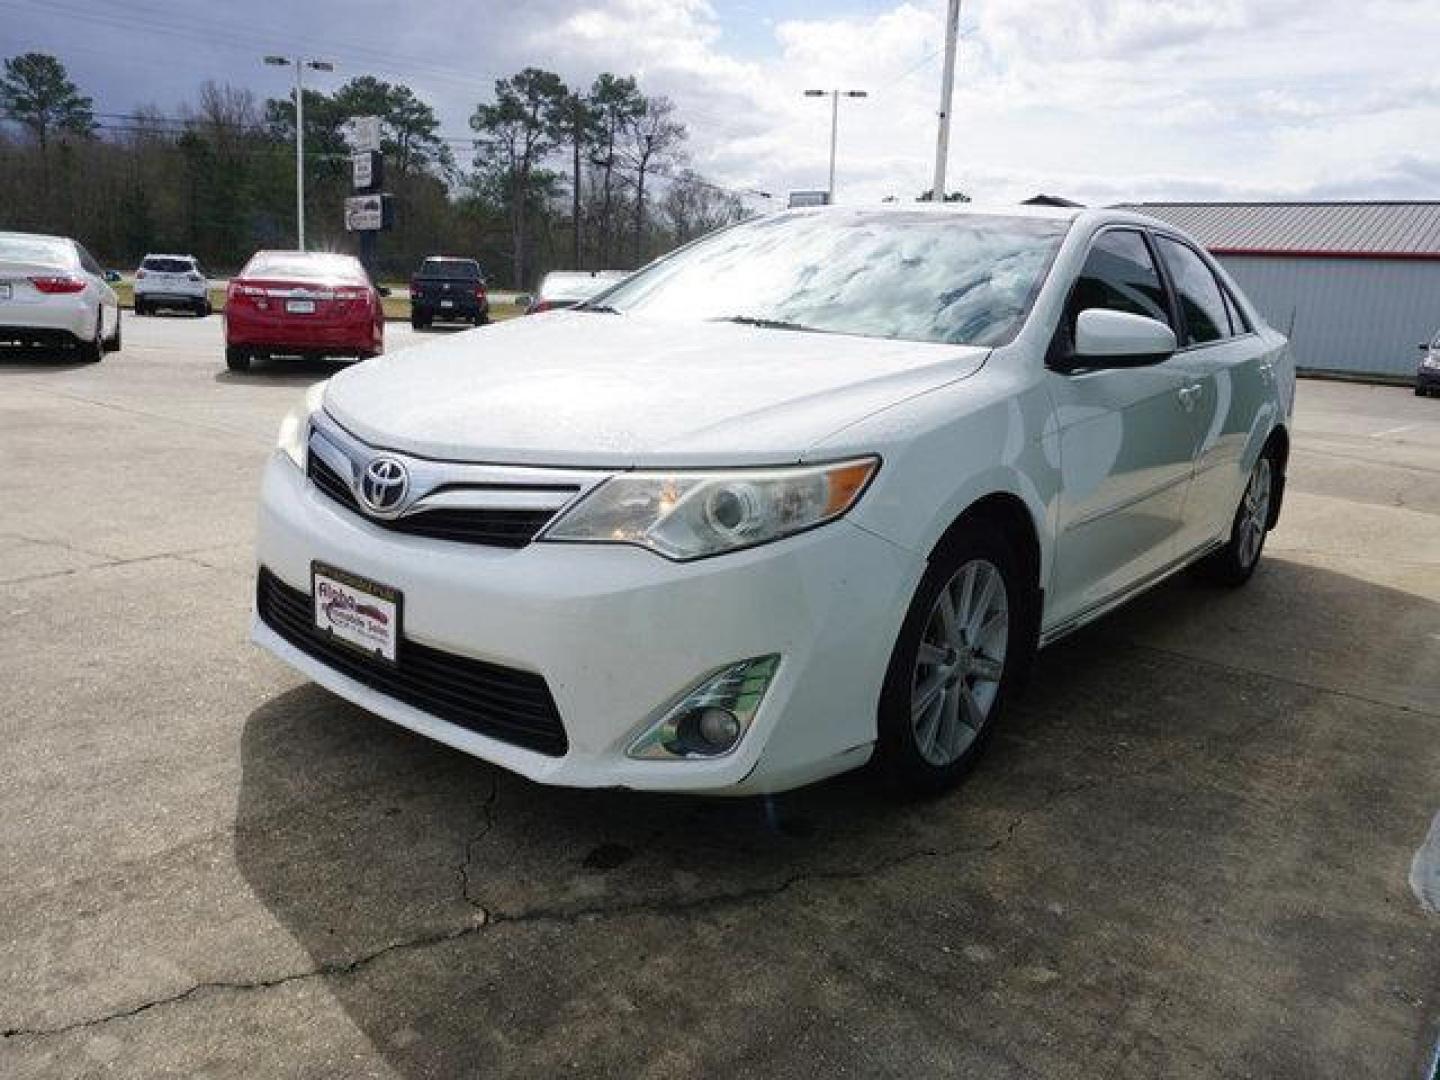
x=513, y=706
x=493, y=528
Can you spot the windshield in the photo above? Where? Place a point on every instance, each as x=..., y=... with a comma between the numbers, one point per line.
x=963, y=279
x=166, y=265
x=40, y=250
x=468, y=269
x=571, y=286
x=306, y=266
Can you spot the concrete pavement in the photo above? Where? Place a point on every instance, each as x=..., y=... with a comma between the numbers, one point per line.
x=1186, y=855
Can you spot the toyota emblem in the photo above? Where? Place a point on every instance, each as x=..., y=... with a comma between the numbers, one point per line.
x=383, y=486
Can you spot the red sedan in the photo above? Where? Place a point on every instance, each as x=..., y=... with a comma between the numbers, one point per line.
x=299, y=303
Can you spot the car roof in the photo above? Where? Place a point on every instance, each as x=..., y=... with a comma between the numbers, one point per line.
x=36, y=236
x=1079, y=214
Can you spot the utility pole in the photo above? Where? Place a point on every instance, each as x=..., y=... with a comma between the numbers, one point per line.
x=835, y=96
x=947, y=90
x=300, y=63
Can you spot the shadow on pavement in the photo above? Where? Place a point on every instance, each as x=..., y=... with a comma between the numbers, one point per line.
x=34, y=359
x=285, y=371
x=1161, y=867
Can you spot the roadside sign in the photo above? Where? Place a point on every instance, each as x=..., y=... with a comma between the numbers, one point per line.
x=367, y=134
x=809, y=198
x=367, y=213
x=367, y=170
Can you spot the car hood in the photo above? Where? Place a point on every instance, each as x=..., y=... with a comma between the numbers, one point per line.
x=587, y=388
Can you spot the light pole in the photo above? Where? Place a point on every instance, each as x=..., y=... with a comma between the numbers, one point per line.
x=835, y=96
x=947, y=92
x=300, y=63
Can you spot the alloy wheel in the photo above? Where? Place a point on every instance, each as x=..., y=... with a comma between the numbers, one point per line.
x=960, y=662
x=1254, y=513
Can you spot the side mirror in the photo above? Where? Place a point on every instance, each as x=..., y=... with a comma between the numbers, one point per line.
x=524, y=301
x=383, y=290
x=1113, y=339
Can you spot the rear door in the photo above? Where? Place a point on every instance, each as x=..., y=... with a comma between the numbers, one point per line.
x=1126, y=442
x=1229, y=385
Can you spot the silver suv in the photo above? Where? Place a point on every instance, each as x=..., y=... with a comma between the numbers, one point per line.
x=171, y=281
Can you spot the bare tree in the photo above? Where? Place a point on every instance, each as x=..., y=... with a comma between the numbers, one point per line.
x=654, y=139
x=616, y=102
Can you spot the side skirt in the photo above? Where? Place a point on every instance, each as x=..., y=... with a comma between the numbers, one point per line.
x=1094, y=611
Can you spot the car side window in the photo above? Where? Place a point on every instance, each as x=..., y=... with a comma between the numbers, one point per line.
x=88, y=262
x=1238, y=325
x=1202, y=303
x=1119, y=275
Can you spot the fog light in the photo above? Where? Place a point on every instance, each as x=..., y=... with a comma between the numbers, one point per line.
x=709, y=720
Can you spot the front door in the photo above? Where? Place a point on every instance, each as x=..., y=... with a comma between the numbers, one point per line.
x=1125, y=439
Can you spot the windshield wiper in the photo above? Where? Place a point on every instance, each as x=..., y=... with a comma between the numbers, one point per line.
x=766, y=324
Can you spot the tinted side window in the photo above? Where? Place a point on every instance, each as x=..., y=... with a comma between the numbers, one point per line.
x=1201, y=301
x=88, y=262
x=1120, y=275
x=1238, y=325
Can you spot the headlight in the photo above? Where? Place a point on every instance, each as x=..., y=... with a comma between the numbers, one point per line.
x=689, y=515
x=294, y=435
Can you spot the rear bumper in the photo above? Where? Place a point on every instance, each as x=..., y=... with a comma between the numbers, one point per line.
x=458, y=307
x=290, y=335
x=53, y=319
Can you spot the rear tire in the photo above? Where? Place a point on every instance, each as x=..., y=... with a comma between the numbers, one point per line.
x=139, y=307
x=1233, y=564
x=237, y=359
x=113, y=343
x=93, y=351
x=966, y=643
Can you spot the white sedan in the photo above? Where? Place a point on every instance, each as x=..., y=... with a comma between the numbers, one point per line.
x=53, y=292
x=804, y=495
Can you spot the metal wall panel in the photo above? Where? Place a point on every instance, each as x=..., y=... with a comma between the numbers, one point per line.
x=1353, y=315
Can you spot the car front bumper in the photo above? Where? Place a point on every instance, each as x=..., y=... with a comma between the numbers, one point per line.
x=618, y=634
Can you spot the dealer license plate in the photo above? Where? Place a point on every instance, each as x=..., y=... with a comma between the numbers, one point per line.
x=300, y=307
x=356, y=610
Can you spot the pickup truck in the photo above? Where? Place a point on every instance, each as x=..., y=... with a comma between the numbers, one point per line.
x=447, y=288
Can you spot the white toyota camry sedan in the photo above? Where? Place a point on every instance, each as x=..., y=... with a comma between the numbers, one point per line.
x=805, y=494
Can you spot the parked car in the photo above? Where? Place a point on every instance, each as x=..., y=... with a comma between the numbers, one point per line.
x=1427, y=375
x=448, y=289
x=53, y=292
x=566, y=288
x=805, y=494
x=313, y=304
x=171, y=281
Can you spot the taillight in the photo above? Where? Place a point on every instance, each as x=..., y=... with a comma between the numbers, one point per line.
x=139, y=274
x=540, y=305
x=480, y=292
x=58, y=284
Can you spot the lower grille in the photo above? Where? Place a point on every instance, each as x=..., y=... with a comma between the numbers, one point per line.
x=493, y=528
x=513, y=706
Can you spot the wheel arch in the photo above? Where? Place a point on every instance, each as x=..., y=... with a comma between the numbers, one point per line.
x=1008, y=512
x=1278, y=441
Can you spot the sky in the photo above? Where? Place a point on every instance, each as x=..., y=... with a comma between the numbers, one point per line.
x=1098, y=100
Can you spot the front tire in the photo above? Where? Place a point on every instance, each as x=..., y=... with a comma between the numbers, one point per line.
x=1233, y=564
x=237, y=359
x=965, y=644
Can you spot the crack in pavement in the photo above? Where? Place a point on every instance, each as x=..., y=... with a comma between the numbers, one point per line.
x=662, y=906
x=487, y=822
